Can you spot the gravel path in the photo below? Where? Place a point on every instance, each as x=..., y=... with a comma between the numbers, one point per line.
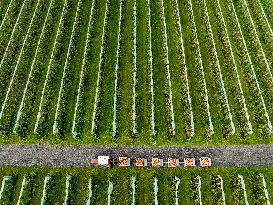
x=79, y=156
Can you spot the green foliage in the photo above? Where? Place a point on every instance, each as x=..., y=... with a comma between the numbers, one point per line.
x=204, y=99
x=122, y=191
x=9, y=189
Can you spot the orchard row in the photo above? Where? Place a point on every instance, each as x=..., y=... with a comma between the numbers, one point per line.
x=144, y=71
x=135, y=186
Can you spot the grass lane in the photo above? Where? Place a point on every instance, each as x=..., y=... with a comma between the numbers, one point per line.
x=78, y=105
x=145, y=188
x=9, y=190
x=160, y=83
x=206, y=179
x=59, y=105
x=29, y=189
x=182, y=125
x=122, y=187
x=227, y=185
x=105, y=108
x=165, y=194
x=125, y=79
x=100, y=188
x=143, y=98
x=269, y=182
x=256, y=191
x=55, y=189
x=82, y=187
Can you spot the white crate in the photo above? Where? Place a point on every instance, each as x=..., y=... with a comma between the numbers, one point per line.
x=103, y=160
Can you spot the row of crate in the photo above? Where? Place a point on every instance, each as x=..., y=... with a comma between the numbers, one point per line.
x=154, y=162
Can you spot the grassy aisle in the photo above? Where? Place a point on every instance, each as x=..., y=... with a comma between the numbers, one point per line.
x=66, y=86
x=143, y=96
x=106, y=102
x=165, y=192
x=255, y=188
x=206, y=180
x=122, y=187
x=79, y=94
x=29, y=189
x=183, y=129
x=161, y=89
x=82, y=186
x=55, y=189
x=9, y=188
x=100, y=189
x=184, y=189
x=269, y=182
x=145, y=188
x=227, y=185
x=125, y=76
x=37, y=186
